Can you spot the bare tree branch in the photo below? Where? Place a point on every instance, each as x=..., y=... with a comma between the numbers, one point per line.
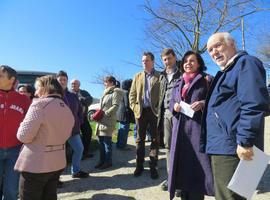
x=151, y=11
x=185, y=24
x=99, y=78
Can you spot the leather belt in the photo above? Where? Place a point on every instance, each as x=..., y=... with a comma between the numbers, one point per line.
x=58, y=147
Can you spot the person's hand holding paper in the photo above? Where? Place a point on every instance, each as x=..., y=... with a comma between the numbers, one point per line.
x=251, y=170
x=188, y=109
x=197, y=105
x=244, y=153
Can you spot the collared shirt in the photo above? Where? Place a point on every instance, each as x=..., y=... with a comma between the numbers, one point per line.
x=223, y=68
x=147, y=97
x=171, y=79
x=169, y=76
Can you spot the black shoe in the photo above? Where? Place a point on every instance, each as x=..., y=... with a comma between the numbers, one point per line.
x=138, y=171
x=98, y=165
x=80, y=174
x=178, y=193
x=154, y=173
x=164, y=186
x=105, y=166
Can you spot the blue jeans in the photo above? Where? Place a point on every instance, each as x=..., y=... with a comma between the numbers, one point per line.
x=122, y=134
x=9, y=179
x=75, y=143
x=105, y=149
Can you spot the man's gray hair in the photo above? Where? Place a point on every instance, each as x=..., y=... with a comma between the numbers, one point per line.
x=73, y=80
x=228, y=39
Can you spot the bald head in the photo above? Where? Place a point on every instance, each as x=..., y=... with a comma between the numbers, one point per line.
x=75, y=85
x=221, y=47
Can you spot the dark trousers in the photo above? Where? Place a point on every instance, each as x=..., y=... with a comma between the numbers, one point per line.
x=86, y=135
x=147, y=118
x=223, y=169
x=39, y=186
x=185, y=195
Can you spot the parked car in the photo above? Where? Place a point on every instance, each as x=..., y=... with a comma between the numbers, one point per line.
x=92, y=109
x=29, y=77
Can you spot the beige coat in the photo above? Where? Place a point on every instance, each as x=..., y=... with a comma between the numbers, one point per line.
x=137, y=90
x=44, y=131
x=109, y=104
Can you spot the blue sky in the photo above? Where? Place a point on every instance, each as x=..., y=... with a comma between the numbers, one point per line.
x=82, y=37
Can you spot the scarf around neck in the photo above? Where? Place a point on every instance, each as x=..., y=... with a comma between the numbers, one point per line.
x=188, y=78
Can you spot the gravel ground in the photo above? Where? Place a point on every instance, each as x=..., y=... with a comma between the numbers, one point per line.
x=118, y=183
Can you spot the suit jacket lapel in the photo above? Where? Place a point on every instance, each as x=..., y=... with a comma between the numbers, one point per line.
x=153, y=80
x=143, y=83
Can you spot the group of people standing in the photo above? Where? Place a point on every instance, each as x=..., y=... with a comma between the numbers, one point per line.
x=208, y=123
x=43, y=125
x=203, y=148
x=155, y=99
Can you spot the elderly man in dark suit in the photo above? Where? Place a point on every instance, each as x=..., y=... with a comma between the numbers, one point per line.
x=86, y=100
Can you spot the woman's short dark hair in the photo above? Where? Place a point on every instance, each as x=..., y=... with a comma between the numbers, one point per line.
x=29, y=89
x=50, y=85
x=199, y=59
x=110, y=79
x=126, y=84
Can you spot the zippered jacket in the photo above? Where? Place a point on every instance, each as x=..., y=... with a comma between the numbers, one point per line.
x=235, y=107
x=75, y=106
x=13, y=108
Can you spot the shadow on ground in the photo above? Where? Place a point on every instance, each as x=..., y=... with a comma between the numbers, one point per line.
x=122, y=181
x=108, y=197
x=119, y=176
x=121, y=158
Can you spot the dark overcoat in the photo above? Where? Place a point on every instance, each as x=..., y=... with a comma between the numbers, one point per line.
x=190, y=169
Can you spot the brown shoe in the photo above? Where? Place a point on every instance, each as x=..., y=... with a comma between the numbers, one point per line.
x=98, y=165
x=105, y=166
x=138, y=171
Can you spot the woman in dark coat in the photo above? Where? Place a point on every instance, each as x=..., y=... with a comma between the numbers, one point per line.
x=190, y=170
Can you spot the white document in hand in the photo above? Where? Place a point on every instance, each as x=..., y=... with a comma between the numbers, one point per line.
x=185, y=109
x=248, y=174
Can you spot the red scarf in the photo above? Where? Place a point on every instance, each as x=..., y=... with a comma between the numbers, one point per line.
x=188, y=78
